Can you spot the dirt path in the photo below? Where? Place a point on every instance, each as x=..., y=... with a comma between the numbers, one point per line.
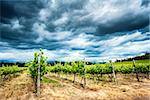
x=21, y=88
x=108, y=90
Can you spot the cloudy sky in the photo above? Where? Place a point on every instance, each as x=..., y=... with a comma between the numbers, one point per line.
x=97, y=30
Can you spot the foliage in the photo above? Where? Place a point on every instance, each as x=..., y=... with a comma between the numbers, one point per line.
x=39, y=61
x=4, y=71
x=74, y=68
x=34, y=64
x=78, y=67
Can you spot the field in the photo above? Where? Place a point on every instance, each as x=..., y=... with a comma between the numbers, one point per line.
x=131, y=62
x=65, y=82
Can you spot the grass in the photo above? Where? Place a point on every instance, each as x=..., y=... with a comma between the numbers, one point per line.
x=129, y=63
x=52, y=82
x=47, y=80
x=136, y=61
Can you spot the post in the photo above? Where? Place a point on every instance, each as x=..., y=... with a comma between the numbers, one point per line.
x=74, y=77
x=113, y=71
x=148, y=72
x=84, y=73
x=38, y=79
x=135, y=70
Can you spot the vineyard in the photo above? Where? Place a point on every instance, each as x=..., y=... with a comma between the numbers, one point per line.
x=76, y=75
x=7, y=71
x=98, y=70
x=75, y=50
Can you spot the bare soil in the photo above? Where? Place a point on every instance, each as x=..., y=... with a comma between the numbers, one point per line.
x=21, y=88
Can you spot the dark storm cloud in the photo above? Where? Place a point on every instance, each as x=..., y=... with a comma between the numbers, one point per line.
x=24, y=12
x=98, y=17
x=20, y=40
x=145, y=2
x=19, y=8
x=125, y=24
x=14, y=36
x=65, y=6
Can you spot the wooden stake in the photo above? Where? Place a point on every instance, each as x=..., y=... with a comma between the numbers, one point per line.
x=113, y=71
x=38, y=79
x=84, y=73
x=135, y=70
x=74, y=77
x=148, y=77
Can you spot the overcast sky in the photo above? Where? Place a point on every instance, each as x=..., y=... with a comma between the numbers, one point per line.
x=97, y=30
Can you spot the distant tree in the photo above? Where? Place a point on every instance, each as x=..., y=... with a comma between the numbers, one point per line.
x=142, y=57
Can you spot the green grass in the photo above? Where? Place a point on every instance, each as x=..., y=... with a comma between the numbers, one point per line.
x=52, y=82
x=128, y=63
x=47, y=80
x=136, y=61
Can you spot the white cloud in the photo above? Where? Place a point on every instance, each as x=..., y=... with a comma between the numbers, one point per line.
x=115, y=48
x=15, y=24
x=80, y=41
x=44, y=14
x=108, y=11
x=4, y=43
x=40, y=29
x=121, y=46
x=25, y=55
x=127, y=50
x=16, y=55
x=118, y=40
x=73, y=56
x=61, y=21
